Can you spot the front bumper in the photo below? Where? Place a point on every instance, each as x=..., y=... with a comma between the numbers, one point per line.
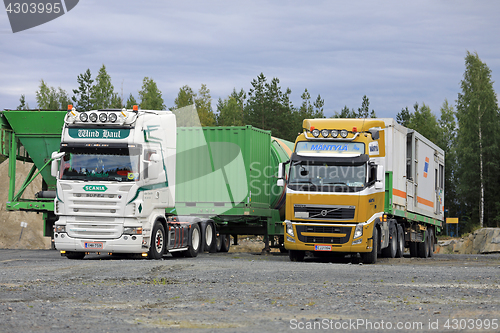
x=328, y=237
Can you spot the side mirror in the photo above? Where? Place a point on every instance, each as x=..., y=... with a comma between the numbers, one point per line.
x=280, y=171
x=54, y=166
x=280, y=183
x=379, y=183
x=375, y=133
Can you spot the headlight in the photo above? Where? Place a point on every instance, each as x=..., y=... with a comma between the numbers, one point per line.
x=358, y=232
x=59, y=228
x=112, y=117
x=289, y=228
x=83, y=117
x=315, y=132
x=132, y=231
x=93, y=117
x=343, y=133
x=335, y=133
x=325, y=133
x=103, y=117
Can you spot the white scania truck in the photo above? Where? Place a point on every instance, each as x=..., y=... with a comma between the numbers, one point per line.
x=115, y=175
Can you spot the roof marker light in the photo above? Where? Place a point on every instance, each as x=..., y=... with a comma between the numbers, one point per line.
x=335, y=133
x=315, y=132
x=135, y=108
x=344, y=133
x=354, y=129
x=325, y=133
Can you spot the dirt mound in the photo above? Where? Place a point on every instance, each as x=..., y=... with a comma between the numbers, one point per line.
x=12, y=234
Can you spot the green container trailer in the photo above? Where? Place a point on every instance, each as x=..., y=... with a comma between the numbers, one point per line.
x=229, y=174
x=31, y=136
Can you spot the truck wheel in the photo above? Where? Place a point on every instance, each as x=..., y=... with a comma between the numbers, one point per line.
x=413, y=249
x=75, y=255
x=157, y=247
x=423, y=247
x=178, y=254
x=401, y=242
x=195, y=243
x=296, y=255
x=218, y=243
x=209, y=236
x=371, y=257
x=225, y=243
x=431, y=242
x=390, y=251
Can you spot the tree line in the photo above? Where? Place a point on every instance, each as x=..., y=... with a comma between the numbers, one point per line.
x=467, y=132
x=469, y=135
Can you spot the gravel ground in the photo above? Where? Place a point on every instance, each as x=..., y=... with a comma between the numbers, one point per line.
x=40, y=291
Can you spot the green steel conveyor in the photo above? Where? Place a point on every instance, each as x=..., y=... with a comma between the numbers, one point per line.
x=31, y=136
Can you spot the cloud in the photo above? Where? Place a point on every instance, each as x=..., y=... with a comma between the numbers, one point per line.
x=395, y=53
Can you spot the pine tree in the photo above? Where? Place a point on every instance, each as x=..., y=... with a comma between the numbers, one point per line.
x=150, y=96
x=82, y=95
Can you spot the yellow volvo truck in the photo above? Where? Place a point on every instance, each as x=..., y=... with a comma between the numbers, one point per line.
x=367, y=186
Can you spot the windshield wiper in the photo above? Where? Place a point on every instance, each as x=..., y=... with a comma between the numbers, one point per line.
x=335, y=183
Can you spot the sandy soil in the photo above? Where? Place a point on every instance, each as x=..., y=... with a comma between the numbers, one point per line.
x=10, y=221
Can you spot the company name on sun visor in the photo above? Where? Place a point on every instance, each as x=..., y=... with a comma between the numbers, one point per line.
x=78, y=133
x=326, y=148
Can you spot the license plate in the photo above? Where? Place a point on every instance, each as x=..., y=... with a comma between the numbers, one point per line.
x=322, y=247
x=93, y=245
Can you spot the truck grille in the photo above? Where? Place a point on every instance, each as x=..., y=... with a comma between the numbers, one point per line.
x=101, y=229
x=324, y=212
x=323, y=230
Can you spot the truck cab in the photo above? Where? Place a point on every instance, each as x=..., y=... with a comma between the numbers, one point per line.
x=115, y=175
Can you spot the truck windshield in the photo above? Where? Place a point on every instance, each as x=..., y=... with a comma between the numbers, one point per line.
x=93, y=166
x=324, y=177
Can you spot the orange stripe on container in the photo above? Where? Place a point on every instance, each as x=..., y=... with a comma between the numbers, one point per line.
x=285, y=147
x=425, y=202
x=398, y=193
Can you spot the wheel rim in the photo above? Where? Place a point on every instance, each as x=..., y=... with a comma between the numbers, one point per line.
x=159, y=241
x=195, y=239
x=208, y=235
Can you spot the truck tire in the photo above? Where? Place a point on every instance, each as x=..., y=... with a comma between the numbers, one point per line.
x=178, y=254
x=431, y=242
x=391, y=250
x=295, y=255
x=401, y=242
x=423, y=247
x=157, y=247
x=195, y=242
x=208, y=237
x=75, y=255
x=371, y=257
x=413, y=249
x=225, y=243
x=218, y=243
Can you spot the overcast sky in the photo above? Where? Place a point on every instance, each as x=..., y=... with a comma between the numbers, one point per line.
x=395, y=52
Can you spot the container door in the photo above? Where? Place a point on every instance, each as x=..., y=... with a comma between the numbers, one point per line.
x=410, y=195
